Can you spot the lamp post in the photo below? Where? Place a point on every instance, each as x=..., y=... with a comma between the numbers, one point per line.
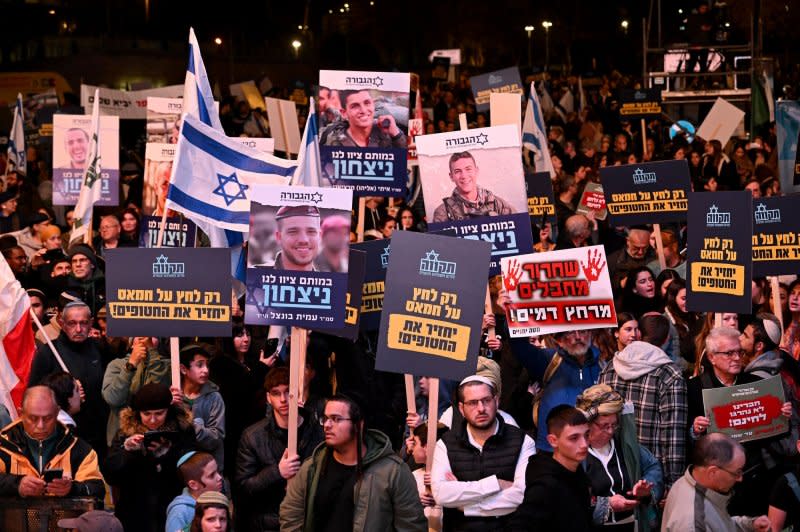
x=296, y=46
x=547, y=25
x=529, y=29
x=624, y=25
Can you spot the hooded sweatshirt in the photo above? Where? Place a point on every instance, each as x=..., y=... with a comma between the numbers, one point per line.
x=208, y=417
x=555, y=497
x=180, y=512
x=645, y=376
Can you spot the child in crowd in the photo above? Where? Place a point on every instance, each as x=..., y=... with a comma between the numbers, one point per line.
x=200, y=474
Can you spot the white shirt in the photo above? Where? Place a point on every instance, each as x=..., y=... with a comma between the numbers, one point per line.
x=479, y=498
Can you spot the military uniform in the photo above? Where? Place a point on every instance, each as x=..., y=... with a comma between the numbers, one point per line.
x=455, y=207
x=336, y=135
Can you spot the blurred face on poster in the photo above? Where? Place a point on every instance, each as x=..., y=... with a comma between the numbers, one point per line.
x=464, y=174
x=328, y=99
x=161, y=182
x=298, y=236
x=76, y=143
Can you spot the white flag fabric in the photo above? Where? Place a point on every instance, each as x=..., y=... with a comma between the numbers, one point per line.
x=308, y=162
x=17, y=157
x=198, y=99
x=92, y=184
x=212, y=176
x=533, y=135
x=581, y=95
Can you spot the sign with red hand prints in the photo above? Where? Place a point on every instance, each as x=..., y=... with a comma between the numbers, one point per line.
x=557, y=291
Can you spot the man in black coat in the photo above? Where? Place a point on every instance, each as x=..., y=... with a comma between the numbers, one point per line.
x=263, y=464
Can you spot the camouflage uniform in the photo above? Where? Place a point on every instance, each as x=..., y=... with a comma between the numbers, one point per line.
x=336, y=135
x=456, y=207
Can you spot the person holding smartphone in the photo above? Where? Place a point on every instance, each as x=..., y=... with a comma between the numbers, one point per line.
x=42, y=454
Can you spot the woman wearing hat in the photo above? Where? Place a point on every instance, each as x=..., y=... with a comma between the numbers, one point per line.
x=212, y=513
x=142, y=461
x=625, y=477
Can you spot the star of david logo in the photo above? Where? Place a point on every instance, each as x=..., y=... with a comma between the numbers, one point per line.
x=761, y=208
x=255, y=297
x=482, y=139
x=432, y=255
x=713, y=209
x=385, y=256
x=316, y=197
x=161, y=259
x=224, y=188
x=378, y=81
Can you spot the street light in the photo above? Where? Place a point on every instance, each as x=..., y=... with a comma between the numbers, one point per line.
x=529, y=29
x=624, y=25
x=296, y=45
x=218, y=41
x=547, y=25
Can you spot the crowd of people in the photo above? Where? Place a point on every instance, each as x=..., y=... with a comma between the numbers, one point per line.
x=581, y=430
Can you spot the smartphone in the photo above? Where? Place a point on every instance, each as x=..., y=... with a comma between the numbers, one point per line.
x=52, y=474
x=270, y=346
x=156, y=436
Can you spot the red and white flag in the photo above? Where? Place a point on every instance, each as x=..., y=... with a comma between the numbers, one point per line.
x=17, y=345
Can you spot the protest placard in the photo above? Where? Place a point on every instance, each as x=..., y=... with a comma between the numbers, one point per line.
x=178, y=233
x=355, y=283
x=720, y=252
x=126, y=104
x=509, y=235
x=471, y=174
x=747, y=412
x=646, y=193
x=282, y=116
x=364, y=147
x=593, y=199
x=505, y=80
x=504, y=108
x=299, y=237
x=640, y=103
x=71, y=137
x=374, y=285
x=158, y=159
x=541, y=201
x=556, y=291
x=720, y=122
x=776, y=236
x=787, y=124
x=433, y=308
x=168, y=292
x=248, y=92
x=164, y=119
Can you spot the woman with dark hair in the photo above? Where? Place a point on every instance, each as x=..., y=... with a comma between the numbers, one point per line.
x=129, y=223
x=407, y=220
x=627, y=330
x=142, y=461
x=695, y=166
x=684, y=325
x=717, y=164
x=791, y=335
x=663, y=280
x=639, y=293
x=240, y=377
x=212, y=513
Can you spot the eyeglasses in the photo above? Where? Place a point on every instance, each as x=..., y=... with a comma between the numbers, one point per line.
x=333, y=419
x=735, y=474
x=607, y=427
x=732, y=353
x=473, y=403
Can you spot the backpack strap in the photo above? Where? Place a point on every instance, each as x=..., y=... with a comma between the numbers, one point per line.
x=791, y=480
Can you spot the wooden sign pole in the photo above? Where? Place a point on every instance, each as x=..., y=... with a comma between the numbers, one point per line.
x=411, y=403
x=717, y=319
x=433, y=422
x=775, y=289
x=462, y=122
x=362, y=209
x=662, y=261
x=298, y=346
x=487, y=309
x=644, y=140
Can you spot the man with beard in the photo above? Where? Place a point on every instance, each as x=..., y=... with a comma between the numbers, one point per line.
x=478, y=472
x=562, y=373
x=298, y=236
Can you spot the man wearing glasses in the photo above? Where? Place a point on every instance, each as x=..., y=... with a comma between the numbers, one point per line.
x=82, y=355
x=702, y=493
x=724, y=352
x=354, y=481
x=478, y=472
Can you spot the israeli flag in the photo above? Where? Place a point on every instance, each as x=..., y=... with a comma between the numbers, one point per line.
x=212, y=177
x=198, y=99
x=17, y=158
x=308, y=162
x=533, y=135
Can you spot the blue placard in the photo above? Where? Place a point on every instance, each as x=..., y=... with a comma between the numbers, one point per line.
x=368, y=172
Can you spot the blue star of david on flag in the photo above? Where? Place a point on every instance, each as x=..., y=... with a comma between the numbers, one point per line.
x=222, y=189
